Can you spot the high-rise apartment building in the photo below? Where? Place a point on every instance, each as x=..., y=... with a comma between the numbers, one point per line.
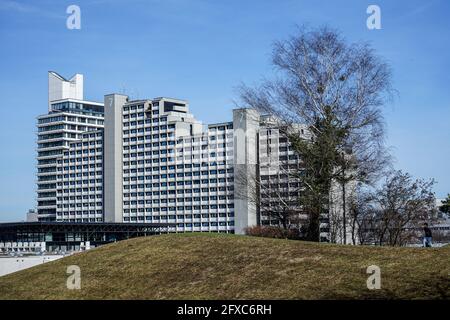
x=151, y=161
x=69, y=117
x=162, y=165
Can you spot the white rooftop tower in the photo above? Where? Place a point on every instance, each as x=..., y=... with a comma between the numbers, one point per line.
x=60, y=88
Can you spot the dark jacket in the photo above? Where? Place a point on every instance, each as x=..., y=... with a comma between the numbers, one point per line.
x=427, y=232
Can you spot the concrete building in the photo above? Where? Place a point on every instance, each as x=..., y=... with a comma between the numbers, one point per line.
x=68, y=118
x=151, y=161
x=162, y=165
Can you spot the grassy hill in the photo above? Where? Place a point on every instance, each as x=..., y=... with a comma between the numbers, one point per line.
x=213, y=266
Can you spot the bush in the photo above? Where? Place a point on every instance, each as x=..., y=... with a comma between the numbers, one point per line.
x=273, y=232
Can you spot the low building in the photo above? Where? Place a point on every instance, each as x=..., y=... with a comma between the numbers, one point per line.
x=68, y=236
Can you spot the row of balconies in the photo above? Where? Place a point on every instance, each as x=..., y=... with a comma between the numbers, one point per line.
x=145, y=173
x=80, y=174
x=79, y=161
x=181, y=176
x=184, y=200
x=169, y=188
x=69, y=207
x=54, y=148
x=70, y=173
x=62, y=215
x=48, y=179
x=50, y=156
x=75, y=128
x=69, y=118
x=178, y=203
x=93, y=201
x=78, y=193
x=191, y=197
x=81, y=150
x=141, y=156
x=189, y=169
x=172, y=152
x=175, y=196
x=97, y=187
x=91, y=197
x=228, y=188
x=82, y=185
x=142, y=136
x=178, y=179
x=47, y=175
x=180, y=167
x=63, y=180
x=205, y=220
x=77, y=171
x=60, y=129
x=79, y=153
x=46, y=198
x=171, y=185
x=40, y=139
x=189, y=215
x=150, y=139
x=186, y=212
x=178, y=182
x=53, y=206
x=49, y=189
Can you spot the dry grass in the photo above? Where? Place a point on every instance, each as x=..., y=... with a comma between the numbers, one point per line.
x=213, y=266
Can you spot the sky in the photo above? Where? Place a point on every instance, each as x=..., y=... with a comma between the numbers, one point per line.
x=201, y=50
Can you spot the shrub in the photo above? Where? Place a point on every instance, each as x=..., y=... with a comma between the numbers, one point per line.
x=273, y=232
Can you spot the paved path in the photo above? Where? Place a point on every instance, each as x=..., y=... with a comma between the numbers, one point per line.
x=14, y=264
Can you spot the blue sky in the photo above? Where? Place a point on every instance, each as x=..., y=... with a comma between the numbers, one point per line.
x=200, y=50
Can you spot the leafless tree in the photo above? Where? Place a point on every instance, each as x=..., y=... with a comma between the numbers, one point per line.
x=393, y=214
x=337, y=90
x=275, y=195
x=405, y=203
x=364, y=215
x=355, y=175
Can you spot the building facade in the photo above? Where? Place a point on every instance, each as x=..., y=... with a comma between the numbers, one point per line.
x=151, y=161
x=68, y=118
x=162, y=165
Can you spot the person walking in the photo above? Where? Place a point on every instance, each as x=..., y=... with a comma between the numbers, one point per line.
x=427, y=235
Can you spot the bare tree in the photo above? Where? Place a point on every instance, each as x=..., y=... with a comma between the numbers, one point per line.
x=274, y=194
x=393, y=214
x=357, y=170
x=364, y=215
x=337, y=90
x=405, y=203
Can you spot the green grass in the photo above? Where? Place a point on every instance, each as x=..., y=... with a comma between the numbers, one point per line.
x=213, y=266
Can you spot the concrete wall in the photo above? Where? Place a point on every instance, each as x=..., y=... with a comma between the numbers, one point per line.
x=246, y=127
x=113, y=202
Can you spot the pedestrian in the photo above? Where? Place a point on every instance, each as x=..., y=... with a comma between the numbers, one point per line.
x=427, y=235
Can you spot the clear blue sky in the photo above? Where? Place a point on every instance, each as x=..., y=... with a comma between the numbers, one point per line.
x=200, y=50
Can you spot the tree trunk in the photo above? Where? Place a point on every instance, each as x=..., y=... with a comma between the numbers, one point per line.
x=344, y=221
x=314, y=226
